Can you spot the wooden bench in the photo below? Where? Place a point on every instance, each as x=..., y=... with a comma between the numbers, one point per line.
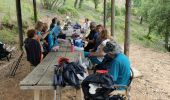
x=41, y=78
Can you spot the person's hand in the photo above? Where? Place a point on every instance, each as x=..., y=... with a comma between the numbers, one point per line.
x=90, y=54
x=91, y=50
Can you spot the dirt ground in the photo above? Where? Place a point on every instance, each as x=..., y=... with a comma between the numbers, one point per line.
x=154, y=85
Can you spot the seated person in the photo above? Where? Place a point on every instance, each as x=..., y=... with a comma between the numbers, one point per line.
x=97, y=41
x=98, y=56
x=45, y=35
x=120, y=64
x=56, y=30
x=85, y=25
x=91, y=37
x=33, y=48
x=39, y=27
x=53, y=23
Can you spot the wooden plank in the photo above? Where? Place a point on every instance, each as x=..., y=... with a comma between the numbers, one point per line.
x=47, y=79
x=37, y=73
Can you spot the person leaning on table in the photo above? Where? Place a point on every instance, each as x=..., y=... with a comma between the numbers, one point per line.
x=33, y=48
x=119, y=67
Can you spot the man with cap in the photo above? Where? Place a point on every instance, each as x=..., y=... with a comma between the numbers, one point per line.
x=119, y=67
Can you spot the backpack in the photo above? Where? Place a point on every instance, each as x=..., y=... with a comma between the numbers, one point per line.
x=3, y=52
x=104, y=81
x=66, y=73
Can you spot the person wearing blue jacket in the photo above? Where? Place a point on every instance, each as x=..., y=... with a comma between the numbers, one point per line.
x=119, y=67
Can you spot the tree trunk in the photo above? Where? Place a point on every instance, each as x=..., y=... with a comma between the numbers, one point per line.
x=80, y=3
x=127, y=28
x=35, y=10
x=113, y=17
x=104, y=16
x=141, y=20
x=96, y=6
x=75, y=3
x=64, y=3
x=19, y=19
x=149, y=32
x=166, y=41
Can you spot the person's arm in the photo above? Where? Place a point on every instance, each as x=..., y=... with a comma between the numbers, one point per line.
x=99, y=53
x=114, y=70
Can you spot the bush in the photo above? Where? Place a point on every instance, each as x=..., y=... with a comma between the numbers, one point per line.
x=66, y=10
x=6, y=19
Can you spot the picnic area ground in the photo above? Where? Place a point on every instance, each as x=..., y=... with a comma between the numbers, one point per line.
x=154, y=85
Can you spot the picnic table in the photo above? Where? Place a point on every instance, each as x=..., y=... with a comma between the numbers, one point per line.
x=41, y=78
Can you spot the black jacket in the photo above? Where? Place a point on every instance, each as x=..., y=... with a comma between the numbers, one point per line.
x=33, y=50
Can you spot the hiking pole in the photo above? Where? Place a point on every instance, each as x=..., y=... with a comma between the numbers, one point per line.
x=17, y=65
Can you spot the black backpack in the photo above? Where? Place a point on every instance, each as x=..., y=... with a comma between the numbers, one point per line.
x=103, y=80
x=66, y=74
x=3, y=52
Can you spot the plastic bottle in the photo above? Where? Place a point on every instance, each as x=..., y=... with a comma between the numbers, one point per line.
x=72, y=46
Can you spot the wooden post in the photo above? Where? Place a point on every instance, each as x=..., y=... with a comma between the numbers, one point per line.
x=113, y=18
x=36, y=94
x=127, y=27
x=104, y=17
x=19, y=19
x=35, y=10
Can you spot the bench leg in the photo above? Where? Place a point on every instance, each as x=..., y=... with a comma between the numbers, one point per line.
x=36, y=94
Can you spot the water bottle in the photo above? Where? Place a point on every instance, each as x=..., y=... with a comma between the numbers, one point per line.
x=72, y=46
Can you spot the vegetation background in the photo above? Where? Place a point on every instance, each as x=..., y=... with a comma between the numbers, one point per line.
x=150, y=20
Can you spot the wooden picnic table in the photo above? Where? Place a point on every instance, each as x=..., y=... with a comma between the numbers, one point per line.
x=41, y=78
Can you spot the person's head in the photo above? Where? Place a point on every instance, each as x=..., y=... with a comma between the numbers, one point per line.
x=31, y=33
x=112, y=48
x=54, y=20
x=99, y=28
x=58, y=23
x=39, y=26
x=92, y=26
x=45, y=27
x=86, y=20
x=104, y=34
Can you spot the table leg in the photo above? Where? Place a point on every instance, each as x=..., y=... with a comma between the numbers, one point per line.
x=36, y=94
x=55, y=93
x=59, y=92
x=82, y=95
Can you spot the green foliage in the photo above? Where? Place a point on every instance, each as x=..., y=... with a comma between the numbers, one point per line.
x=159, y=17
x=8, y=36
x=6, y=19
x=137, y=3
x=68, y=9
x=50, y=4
x=96, y=3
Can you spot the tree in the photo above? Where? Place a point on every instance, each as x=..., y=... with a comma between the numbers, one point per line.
x=75, y=3
x=159, y=19
x=96, y=3
x=64, y=3
x=80, y=3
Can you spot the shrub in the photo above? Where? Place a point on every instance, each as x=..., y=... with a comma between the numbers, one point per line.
x=66, y=10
